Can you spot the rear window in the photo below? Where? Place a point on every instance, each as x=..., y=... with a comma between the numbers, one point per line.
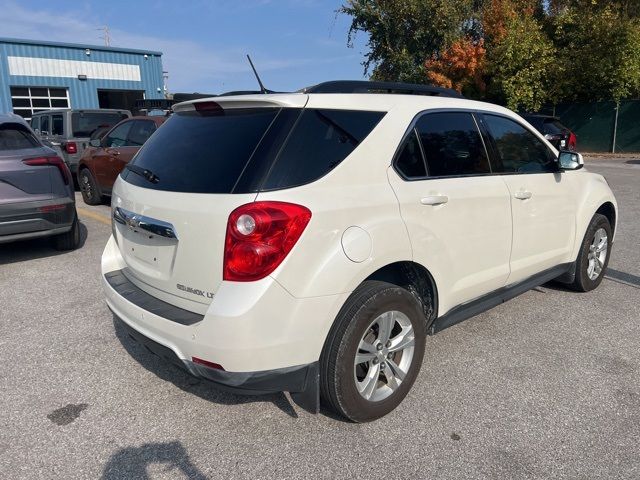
x=16, y=137
x=248, y=150
x=554, y=127
x=84, y=124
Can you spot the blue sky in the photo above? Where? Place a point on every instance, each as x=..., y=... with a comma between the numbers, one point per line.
x=294, y=43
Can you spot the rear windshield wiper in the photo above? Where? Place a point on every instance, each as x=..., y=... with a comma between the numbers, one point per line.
x=143, y=172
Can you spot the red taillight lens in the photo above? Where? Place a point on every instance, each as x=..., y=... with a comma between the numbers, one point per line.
x=259, y=237
x=573, y=140
x=51, y=161
x=71, y=147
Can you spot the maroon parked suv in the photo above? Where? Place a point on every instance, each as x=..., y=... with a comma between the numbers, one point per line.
x=105, y=158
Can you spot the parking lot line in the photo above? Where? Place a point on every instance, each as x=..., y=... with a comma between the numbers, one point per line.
x=93, y=215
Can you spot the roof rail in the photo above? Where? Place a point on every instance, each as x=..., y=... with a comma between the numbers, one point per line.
x=365, y=86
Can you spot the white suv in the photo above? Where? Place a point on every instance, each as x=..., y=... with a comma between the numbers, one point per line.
x=308, y=242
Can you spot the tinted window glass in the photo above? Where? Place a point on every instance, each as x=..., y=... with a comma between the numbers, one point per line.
x=519, y=150
x=118, y=137
x=16, y=137
x=202, y=153
x=85, y=123
x=39, y=92
x=318, y=143
x=452, y=144
x=35, y=123
x=409, y=161
x=554, y=127
x=57, y=125
x=44, y=125
x=140, y=132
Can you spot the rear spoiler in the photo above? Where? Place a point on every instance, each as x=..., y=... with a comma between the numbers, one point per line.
x=291, y=100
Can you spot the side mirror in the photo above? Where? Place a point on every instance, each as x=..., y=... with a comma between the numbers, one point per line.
x=570, y=160
x=95, y=142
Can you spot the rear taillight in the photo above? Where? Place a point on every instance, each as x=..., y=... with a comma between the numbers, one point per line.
x=53, y=162
x=259, y=237
x=573, y=141
x=71, y=147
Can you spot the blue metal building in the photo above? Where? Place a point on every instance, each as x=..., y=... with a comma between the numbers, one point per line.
x=39, y=75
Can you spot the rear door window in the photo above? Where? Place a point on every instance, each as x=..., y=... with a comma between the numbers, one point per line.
x=318, y=143
x=518, y=149
x=44, y=124
x=409, y=161
x=57, y=124
x=35, y=123
x=452, y=144
x=14, y=136
x=140, y=132
x=118, y=137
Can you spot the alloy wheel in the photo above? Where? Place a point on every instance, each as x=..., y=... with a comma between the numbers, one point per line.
x=384, y=356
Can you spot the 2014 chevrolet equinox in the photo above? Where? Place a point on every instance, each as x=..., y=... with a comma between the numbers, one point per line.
x=308, y=242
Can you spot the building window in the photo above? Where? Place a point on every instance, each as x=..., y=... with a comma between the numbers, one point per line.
x=28, y=100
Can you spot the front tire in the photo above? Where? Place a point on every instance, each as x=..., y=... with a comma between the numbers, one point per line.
x=594, y=254
x=373, y=353
x=89, y=188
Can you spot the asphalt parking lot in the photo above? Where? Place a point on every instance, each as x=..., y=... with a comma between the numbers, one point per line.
x=544, y=386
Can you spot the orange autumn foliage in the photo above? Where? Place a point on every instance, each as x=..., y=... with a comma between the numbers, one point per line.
x=460, y=66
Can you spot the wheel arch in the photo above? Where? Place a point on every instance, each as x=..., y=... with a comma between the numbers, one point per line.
x=608, y=209
x=416, y=279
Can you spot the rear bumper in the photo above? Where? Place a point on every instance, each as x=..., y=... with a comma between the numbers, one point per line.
x=24, y=220
x=265, y=339
x=297, y=379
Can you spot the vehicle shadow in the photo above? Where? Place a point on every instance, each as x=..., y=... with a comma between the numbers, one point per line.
x=132, y=462
x=181, y=379
x=616, y=276
x=24, y=250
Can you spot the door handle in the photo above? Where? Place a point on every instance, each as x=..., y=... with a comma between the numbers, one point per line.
x=434, y=200
x=523, y=195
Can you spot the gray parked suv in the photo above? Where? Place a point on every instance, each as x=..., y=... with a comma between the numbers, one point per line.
x=36, y=188
x=72, y=129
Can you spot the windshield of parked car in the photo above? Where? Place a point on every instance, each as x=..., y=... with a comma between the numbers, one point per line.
x=84, y=124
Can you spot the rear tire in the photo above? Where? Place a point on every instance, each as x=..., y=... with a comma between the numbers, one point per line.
x=594, y=254
x=385, y=327
x=89, y=187
x=69, y=240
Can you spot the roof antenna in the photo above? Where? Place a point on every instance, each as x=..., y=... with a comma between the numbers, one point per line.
x=262, y=89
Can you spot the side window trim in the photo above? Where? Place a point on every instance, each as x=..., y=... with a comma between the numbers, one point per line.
x=412, y=130
x=495, y=157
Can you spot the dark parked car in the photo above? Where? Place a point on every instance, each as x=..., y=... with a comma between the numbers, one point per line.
x=36, y=188
x=560, y=136
x=105, y=158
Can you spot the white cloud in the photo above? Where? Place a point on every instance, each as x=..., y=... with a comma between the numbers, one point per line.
x=192, y=66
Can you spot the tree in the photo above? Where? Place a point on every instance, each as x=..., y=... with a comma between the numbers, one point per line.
x=404, y=33
x=521, y=64
x=601, y=48
x=460, y=67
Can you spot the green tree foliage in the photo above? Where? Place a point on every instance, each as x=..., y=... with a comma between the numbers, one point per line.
x=521, y=65
x=404, y=33
x=602, y=51
x=537, y=51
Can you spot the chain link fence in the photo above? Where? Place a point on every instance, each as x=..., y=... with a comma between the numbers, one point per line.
x=602, y=126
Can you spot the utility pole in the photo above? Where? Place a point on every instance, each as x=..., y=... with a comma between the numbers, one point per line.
x=106, y=35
